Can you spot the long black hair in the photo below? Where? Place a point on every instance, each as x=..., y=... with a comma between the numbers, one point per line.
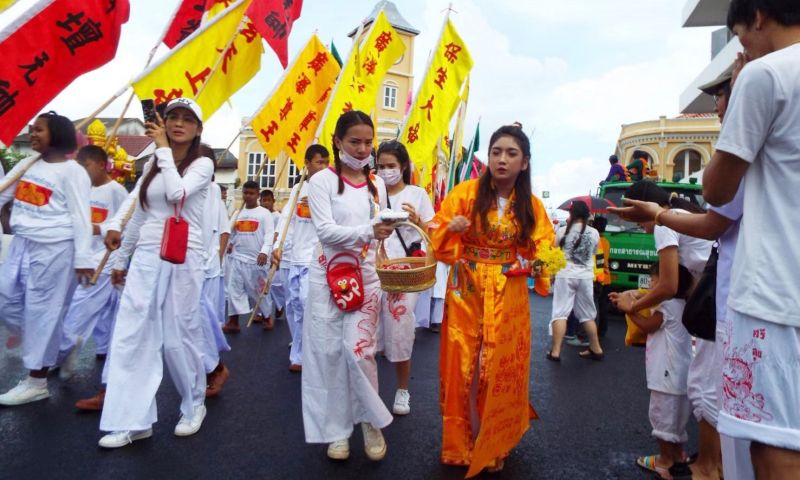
x=648, y=191
x=685, y=279
x=398, y=150
x=577, y=211
x=63, y=139
x=192, y=154
x=345, y=122
x=487, y=196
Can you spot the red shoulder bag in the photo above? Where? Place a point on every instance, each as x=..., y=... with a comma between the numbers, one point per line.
x=175, y=240
x=343, y=273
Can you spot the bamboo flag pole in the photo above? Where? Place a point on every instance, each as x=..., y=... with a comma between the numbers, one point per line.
x=282, y=239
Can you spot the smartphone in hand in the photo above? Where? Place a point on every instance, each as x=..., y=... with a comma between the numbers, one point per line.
x=149, y=111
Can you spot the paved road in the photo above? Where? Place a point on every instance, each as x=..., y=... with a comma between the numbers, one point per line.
x=593, y=421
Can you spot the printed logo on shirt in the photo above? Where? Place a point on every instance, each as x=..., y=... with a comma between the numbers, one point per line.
x=303, y=211
x=99, y=215
x=32, y=193
x=246, y=226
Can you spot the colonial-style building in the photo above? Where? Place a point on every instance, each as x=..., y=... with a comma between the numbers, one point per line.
x=677, y=147
x=390, y=109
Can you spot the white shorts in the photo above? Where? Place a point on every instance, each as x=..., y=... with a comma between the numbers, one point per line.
x=573, y=294
x=669, y=415
x=396, y=326
x=761, y=382
x=702, y=382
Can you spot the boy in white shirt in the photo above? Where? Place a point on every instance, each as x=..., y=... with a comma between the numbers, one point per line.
x=277, y=291
x=758, y=148
x=298, y=252
x=249, y=250
x=94, y=307
x=667, y=359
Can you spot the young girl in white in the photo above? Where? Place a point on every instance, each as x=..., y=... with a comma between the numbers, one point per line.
x=397, y=309
x=249, y=251
x=158, y=313
x=340, y=376
x=298, y=253
x=574, y=288
x=52, y=246
x=94, y=307
x=667, y=359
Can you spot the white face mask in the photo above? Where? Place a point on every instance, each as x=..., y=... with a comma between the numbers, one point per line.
x=353, y=162
x=390, y=176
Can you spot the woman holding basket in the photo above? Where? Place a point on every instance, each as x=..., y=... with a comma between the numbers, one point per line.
x=397, y=309
x=481, y=229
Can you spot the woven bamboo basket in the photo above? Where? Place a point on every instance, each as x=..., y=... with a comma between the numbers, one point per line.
x=421, y=276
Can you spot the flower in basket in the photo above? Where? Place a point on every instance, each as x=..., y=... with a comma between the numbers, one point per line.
x=550, y=260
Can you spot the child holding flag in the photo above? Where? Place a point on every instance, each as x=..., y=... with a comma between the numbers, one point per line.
x=51, y=250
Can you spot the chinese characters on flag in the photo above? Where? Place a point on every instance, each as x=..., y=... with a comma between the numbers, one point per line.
x=363, y=73
x=188, y=18
x=183, y=73
x=436, y=102
x=274, y=19
x=289, y=119
x=43, y=53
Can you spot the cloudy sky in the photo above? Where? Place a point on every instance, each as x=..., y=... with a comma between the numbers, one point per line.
x=573, y=70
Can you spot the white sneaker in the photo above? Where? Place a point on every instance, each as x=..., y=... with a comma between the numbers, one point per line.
x=120, y=439
x=24, y=392
x=190, y=426
x=70, y=364
x=402, y=402
x=374, y=444
x=339, y=450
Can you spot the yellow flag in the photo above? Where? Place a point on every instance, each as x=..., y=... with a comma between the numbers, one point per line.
x=192, y=63
x=289, y=119
x=437, y=99
x=6, y=3
x=363, y=73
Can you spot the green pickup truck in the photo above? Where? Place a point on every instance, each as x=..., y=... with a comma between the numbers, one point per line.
x=632, y=250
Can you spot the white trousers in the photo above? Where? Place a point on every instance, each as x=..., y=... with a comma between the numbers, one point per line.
x=158, y=317
x=279, y=290
x=37, y=281
x=573, y=295
x=244, y=283
x=297, y=291
x=213, y=315
x=90, y=314
x=422, y=311
x=397, y=324
x=702, y=382
x=340, y=375
x=669, y=415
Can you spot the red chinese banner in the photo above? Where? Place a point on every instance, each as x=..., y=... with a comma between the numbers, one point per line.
x=187, y=19
x=273, y=20
x=55, y=42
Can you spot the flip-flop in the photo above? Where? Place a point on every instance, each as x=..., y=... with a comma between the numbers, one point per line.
x=588, y=354
x=649, y=463
x=552, y=357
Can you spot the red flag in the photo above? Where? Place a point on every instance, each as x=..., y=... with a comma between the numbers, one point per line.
x=273, y=20
x=52, y=44
x=186, y=20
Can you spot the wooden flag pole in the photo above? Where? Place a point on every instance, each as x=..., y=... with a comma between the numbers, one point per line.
x=12, y=179
x=104, y=260
x=282, y=239
x=257, y=176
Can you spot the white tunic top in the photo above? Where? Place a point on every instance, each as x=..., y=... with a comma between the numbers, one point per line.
x=105, y=201
x=418, y=198
x=51, y=204
x=669, y=351
x=252, y=234
x=216, y=223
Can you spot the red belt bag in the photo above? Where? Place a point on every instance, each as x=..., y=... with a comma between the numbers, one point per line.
x=175, y=240
x=343, y=273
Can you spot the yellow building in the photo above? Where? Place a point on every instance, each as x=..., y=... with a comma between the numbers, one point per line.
x=390, y=107
x=676, y=147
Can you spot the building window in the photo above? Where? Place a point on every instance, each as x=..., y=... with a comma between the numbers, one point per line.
x=686, y=162
x=267, y=176
x=390, y=97
x=294, y=173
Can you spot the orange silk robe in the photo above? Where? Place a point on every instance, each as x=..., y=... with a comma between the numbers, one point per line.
x=486, y=314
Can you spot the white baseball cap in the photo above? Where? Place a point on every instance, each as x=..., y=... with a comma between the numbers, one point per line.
x=186, y=103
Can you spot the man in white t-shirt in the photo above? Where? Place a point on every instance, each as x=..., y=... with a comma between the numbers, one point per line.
x=760, y=144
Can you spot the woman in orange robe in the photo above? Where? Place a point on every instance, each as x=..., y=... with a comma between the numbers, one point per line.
x=482, y=228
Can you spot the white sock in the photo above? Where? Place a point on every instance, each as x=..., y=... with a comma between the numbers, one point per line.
x=37, y=382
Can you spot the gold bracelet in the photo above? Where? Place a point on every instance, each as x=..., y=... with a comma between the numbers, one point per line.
x=658, y=222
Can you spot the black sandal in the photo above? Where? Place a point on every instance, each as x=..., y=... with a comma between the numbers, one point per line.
x=552, y=357
x=590, y=355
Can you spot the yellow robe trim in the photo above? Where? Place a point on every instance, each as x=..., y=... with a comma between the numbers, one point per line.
x=487, y=315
